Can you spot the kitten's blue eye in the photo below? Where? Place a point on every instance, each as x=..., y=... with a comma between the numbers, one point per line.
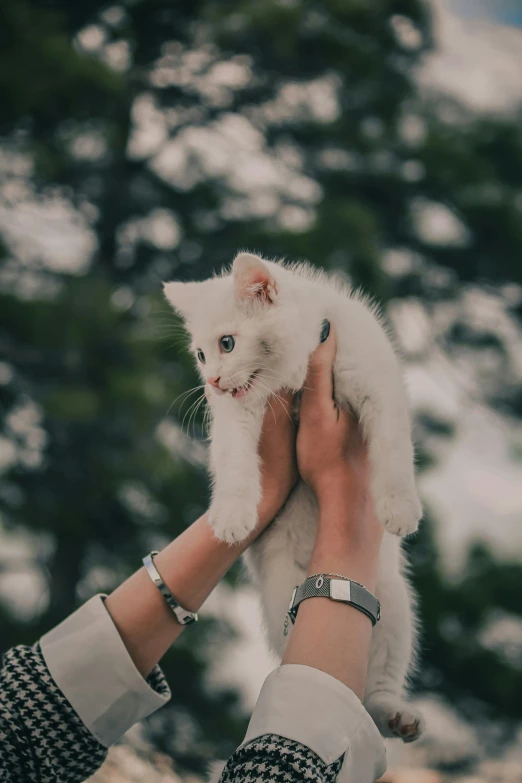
x=201, y=356
x=227, y=343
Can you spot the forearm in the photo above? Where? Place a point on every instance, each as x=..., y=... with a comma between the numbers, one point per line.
x=329, y=635
x=330, y=643
x=191, y=566
x=97, y=654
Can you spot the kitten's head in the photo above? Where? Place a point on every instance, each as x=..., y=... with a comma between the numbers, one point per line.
x=238, y=327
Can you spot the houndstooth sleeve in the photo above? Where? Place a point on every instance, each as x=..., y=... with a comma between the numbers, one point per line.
x=307, y=726
x=65, y=700
x=42, y=739
x=276, y=759
x=92, y=667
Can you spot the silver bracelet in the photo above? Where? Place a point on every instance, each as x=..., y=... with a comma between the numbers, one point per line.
x=183, y=616
x=338, y=588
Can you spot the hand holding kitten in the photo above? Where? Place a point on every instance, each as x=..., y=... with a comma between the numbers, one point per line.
x=331, y=454
x=255, y=331
x=277, y=456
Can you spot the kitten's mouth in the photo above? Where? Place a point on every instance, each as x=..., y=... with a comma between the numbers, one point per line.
x=240, y=391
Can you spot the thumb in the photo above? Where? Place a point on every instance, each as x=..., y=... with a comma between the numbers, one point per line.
x=318, y=389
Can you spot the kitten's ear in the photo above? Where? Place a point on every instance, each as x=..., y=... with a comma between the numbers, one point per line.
x=253, y=279
x=182, y=296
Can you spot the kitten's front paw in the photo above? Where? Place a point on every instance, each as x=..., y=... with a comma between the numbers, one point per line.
x=398, y=514
x=230, y=522
x=396, y=718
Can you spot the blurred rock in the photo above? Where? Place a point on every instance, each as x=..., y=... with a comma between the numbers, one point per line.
x=487, y=772
x=124, y=765
x=411, y=775
x=499, y=772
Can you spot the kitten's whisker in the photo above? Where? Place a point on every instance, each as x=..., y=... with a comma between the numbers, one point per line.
x=272, y=394
x=283, y=404
x=179, y=340
x=163, y=334
x=194, y=414
x=162, y=319
x=165, y=310
x=183, y=397
x=175, y=343
x=163, y=324
x=193, y=405
x=271, y=408
x=260, y=397
x=270, y=374
x=203, y=423
x=159, y=318
x=263, y=369
x=264, y=385
x=169, y=333
x=165, y=329
x=269, y=370
x=189, y=411
x=207, y=419
x=191, y=391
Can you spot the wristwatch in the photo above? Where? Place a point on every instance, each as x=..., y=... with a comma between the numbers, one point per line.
x=337, y=589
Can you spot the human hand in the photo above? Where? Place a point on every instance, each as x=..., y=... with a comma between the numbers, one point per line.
x=331, y=453
x=277, y=456
x=332, y=457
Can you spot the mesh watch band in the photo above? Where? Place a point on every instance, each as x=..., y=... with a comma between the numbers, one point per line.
x=345, y=590
x=183, y=616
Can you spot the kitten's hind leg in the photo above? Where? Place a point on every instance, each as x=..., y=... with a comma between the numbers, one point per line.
x=395, y=717
x=390, y=656
x=368, y=376
x=386, y=426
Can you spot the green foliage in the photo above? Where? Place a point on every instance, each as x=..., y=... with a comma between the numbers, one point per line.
x=458, y=660
x=92, y=356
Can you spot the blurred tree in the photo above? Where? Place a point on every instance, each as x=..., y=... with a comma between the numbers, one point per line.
x=177, y=133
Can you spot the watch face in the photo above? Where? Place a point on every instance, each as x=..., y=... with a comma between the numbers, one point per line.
x=340, y=590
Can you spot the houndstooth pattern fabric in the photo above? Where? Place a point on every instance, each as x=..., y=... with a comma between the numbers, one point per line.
x=42, y=739
x=274, y=759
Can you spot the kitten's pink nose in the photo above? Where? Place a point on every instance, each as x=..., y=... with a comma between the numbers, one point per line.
x=214, y=382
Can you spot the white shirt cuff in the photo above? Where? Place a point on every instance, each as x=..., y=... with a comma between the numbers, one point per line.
x=92, y=667
x=308, y=706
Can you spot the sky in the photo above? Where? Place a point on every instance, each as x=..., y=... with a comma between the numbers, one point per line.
x=478, y=53
x=507, y=12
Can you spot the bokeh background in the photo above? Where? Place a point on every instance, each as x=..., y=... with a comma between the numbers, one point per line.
x=149, y=140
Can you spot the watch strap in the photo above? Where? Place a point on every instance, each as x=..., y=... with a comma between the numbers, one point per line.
x=345, y=590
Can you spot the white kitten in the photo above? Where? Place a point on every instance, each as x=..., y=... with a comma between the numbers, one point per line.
x=253, y=331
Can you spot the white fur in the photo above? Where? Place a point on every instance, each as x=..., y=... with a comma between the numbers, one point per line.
x=275, y=312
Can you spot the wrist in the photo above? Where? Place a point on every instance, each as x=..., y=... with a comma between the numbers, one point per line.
x=345, y=485
x=273, y=501
x=343, y=505
x=348, y=539
x=360, y=565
